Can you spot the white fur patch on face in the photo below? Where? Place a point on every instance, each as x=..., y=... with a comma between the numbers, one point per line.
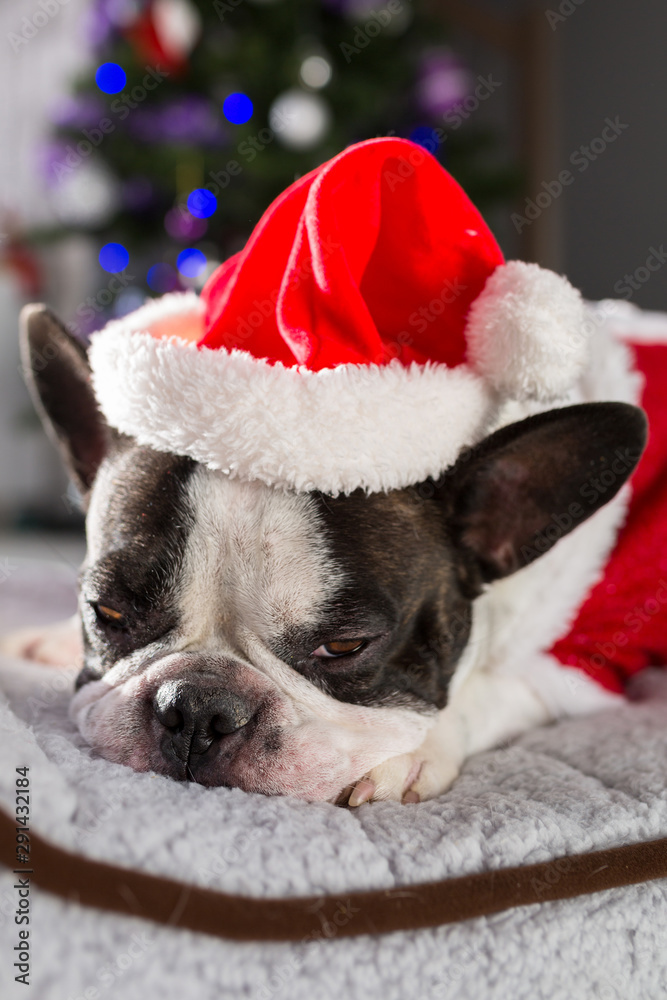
x=255, y=562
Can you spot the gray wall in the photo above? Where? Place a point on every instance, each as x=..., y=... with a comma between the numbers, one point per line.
x=613, y=63
x=610, y=61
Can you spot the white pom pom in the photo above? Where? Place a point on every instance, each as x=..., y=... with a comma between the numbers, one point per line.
x=526, y=332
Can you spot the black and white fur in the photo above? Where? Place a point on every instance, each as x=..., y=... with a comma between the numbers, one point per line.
x=231, y=591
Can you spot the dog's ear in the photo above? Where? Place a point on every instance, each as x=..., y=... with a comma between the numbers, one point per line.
x=57, y=373
x=513, y=496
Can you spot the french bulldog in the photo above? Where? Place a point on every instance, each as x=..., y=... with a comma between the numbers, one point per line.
x=331, y=648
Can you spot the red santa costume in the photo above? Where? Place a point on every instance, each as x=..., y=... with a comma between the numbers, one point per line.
x=367, y=333
x=622, y=625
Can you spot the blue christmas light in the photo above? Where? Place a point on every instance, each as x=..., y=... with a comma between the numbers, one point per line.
x=237, y=109
x=427, y=137
x=201, y=203
x=114, y=257
x=110, y=78
x=191, y=262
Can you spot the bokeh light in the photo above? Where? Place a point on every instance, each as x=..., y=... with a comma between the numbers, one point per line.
x=162, y=278
x=300, y=119
x=237, y=108
x=427, y=137
x=110, y=78
x=182, y=226
x=315, y=72
x=113, y=257
x=191, y=262
x=128, y=300
x=201, y=203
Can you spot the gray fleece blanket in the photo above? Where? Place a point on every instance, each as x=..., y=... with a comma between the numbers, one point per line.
x=576, y=786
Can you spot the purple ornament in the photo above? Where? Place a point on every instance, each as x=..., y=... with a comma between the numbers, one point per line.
x=77, y=112
x=191, y=120
x=51, y=161
x=444, y=82
x=97, y=25
x=182, y=226
x=163, y=278
x=106, y=16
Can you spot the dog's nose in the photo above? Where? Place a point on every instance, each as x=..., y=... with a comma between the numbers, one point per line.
x=197, y=712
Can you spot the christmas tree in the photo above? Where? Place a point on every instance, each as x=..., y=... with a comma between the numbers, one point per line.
x=197, y=113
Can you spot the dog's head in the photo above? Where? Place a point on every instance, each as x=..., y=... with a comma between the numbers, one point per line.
x=235, y=634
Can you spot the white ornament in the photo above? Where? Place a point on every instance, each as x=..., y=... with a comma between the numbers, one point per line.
x=300, y=120
x=87, y=196
x=315, y=72
x=177, y=25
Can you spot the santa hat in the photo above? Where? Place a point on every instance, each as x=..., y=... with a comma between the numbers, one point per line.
x=369, y=330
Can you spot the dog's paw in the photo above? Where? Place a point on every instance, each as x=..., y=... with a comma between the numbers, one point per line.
x=412, y=777
x=56, y=645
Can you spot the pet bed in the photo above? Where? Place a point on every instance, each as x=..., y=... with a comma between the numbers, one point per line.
x=577, y=786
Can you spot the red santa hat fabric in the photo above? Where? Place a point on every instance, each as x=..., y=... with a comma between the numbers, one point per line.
x=342, y=263
x=367, y=332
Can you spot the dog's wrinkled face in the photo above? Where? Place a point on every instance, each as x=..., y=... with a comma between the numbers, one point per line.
x=235, y=634
x=288, y=643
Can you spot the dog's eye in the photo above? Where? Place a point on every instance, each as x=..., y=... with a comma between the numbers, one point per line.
x=108, y=616
x=342, y=647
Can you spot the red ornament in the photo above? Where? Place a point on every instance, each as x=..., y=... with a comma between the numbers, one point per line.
x=17, y=256
x=165, y=33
